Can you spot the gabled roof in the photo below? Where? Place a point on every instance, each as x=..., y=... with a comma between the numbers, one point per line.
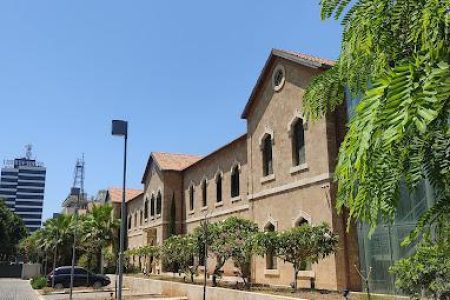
x=296, y=57
x=170, y=161
x=115, y=194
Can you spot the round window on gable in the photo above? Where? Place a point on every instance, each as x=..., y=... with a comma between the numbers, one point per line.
x=278, y=78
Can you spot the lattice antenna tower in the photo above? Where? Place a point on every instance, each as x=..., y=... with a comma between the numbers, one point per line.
x=78, y=176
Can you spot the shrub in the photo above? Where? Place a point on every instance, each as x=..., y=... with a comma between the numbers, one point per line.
x=38, y=282
x=426, y=273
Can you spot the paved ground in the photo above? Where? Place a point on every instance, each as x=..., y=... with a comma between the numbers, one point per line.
x=107, y=296
x=16, y=289
x=91, y=295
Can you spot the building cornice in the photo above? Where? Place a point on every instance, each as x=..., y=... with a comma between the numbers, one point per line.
x=290, y=186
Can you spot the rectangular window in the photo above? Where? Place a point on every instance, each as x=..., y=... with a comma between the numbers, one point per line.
x=219, y=188
x=191, y=197
x=298, y=143
x=267, y=156
x=204, y=193
x=235, y=182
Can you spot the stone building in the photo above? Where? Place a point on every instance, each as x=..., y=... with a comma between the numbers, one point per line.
x=278, y=174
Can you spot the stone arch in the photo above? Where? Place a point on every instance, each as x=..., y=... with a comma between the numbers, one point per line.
x=296, y=116
x=267, y=132
x=302, y=218
x=271, y=221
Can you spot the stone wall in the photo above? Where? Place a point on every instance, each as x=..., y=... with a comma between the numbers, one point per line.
x=193, y=292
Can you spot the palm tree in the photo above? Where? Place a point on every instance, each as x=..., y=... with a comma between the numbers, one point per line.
x=98, y=229
x=56, y=233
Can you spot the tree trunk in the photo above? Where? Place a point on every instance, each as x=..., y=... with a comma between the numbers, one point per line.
x=102, y=262
x=54, y=265
x=45, y=265
x=294, y=283
x=219, y=264
x=98, y=261
x=145, y=265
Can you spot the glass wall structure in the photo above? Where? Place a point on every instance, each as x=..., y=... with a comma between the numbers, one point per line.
x=382, y=249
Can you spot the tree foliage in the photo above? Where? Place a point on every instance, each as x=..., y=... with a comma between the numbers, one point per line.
x=233, y=239
x=150, y=254
x=182, y=250
x=298, y=245
x=95, y=230
x=12, y=230
x=426, y=274
x=396, y=55
x=208, y=233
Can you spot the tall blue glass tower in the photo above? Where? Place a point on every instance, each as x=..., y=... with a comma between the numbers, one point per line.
x=22, y=185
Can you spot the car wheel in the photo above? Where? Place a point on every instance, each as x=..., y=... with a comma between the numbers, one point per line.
x=58, y=286
x=97, y=285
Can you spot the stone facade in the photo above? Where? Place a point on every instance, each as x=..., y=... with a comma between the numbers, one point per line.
x=280, y=184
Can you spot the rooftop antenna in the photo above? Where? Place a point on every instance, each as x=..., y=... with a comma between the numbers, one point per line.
x=77, y=196
x=28, y=148
x=78, y=176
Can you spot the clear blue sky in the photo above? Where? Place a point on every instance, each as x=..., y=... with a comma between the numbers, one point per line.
x=179, y=71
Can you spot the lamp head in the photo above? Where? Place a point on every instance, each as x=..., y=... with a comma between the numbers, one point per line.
x=119, y=128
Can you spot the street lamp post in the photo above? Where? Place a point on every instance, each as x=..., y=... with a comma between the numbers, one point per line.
x=120, y=128
x=74, y=192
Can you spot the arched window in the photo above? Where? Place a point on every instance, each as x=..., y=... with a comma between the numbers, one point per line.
x=158, y=203
x=267, y=155
x=191, y=197
x=152, y=206
x=298, y=143
x=204, y=193
x=235, y=181
x=301, y=222
x=271, y=259
x=219, y=188
x=129, y=222
x=141, y=217
x=146, y=208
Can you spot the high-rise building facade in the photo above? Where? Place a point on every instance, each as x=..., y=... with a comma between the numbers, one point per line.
x=22, y=185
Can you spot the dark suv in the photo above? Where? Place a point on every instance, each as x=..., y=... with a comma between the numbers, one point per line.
x=81, y=277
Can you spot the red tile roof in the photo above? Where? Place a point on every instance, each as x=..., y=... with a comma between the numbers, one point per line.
x=174, y=162
x=308, y=57
x=170, y=162
x=115, y=194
